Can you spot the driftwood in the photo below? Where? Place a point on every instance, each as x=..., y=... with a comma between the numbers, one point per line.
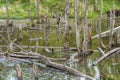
x=49, y=63
x=107, y=55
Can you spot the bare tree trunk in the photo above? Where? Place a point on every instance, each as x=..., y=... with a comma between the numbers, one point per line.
x=77, y=35
x=37, y=17
x=111, y=28
x=58, y=26
x=77, y=27
x=31, y=19
x=100, y=39
x=112, y=22
x=85, y=26
x=7, y=13
x=35, y=71
x=20, y=37
x=37, y=44
x=95, y=5
x=89, y=37
x=66, y=43
x=37, y=10
x=7, y=21
x=100, y=24
x=47, y=31
x=31, y=25
x=19, y=72
x=85, y=35
x=101, y=7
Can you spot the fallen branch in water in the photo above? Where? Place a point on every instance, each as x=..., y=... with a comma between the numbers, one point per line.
x=106, y=33
x=108, y=54
x=101, y=51
x=48, y=62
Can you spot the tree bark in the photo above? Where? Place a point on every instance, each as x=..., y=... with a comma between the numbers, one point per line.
x=8, y=21
x=77, y=27
x=37, y=11
x=85, y=42
x=66, y=43
x=95, y=5
x=112, y=22
x=100, y=42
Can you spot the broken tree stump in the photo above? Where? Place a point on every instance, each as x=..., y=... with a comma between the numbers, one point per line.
x=35, y=71
x=19, y=72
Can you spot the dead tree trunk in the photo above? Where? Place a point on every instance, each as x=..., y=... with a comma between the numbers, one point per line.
x=95, y=5
x=19, y=72
x=47, y=31
x=7, y=13
x=90, y=37
x=37, y=11
x=85, y=35
x=31, y=25
x=77, y=27
x=77, y=33
x=35, y=71
x=37, y=23
x=112, y=21
x=66, y=43
x=100, y=42
x=31, y=22
x=100, y=24
x=20, y=37
x=7, y=21
x=58, y=26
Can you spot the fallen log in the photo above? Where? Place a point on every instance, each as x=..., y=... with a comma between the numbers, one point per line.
x=107, y=55
x=106, y=33
x=25, y=55
x=61, y=67
x=49, y=63
x=67, y=69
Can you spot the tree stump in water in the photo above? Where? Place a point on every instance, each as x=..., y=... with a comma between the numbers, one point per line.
x=19, y=72
x=35, y=71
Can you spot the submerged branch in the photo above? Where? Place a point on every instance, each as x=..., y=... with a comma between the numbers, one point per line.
x=107, y=55
x=48, y=62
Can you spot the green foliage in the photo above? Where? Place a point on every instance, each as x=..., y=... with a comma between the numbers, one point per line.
x=18, y=9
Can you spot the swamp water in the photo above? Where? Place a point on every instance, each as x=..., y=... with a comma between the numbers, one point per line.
x=8, y=71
